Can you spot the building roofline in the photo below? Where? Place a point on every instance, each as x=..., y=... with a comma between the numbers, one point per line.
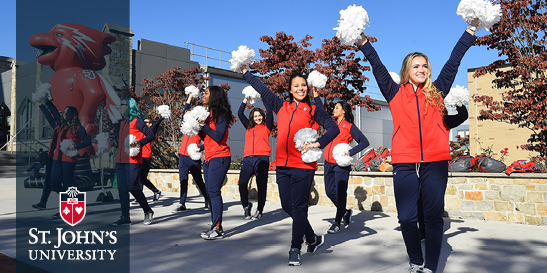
x=499, y=66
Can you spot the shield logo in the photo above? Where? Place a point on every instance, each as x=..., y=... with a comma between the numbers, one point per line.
x=72, y=206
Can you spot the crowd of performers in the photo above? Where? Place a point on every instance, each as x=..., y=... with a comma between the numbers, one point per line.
x=420, y=153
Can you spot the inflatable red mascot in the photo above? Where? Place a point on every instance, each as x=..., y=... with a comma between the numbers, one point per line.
x=75, y=52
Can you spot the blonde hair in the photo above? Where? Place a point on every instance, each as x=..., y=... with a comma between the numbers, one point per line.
x=433, y=96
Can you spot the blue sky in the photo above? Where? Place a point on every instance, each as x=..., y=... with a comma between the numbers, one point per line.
x=428, y=26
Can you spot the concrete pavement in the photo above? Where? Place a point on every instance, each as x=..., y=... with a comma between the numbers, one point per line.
x=372, y=244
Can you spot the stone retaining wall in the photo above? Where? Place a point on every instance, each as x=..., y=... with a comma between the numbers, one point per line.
x=519, y=198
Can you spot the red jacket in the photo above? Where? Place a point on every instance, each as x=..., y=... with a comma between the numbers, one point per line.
x=214, y=149
x=257, y=141
x=187, y=140
x=136, y=128
x=343, y=137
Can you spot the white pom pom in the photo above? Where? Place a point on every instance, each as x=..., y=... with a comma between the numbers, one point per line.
x=191, y=123
x=64, y=148
x=102, y=142
x=251, y=94
x=317, y=79
x=457, y=96
x=395, y=77
x=339, y=154
x=242, y=56
x=351, y=24
x=132, y=151
x=312, y=155
x=194, y=152
x=42, y=93
x=192, y=89
x=164, y=111
x=307, y=136
x=487, y=13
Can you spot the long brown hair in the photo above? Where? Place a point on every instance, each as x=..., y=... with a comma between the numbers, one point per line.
x=252, y=122
x=433, y=96
x=73, y=123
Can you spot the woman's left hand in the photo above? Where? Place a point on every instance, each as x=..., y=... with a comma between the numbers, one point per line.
x=133, y=145
x=309, y=146
x=72, y=147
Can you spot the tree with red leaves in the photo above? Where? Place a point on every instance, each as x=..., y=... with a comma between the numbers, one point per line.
x=168, y=89
x=520, y=39
x=284, y=57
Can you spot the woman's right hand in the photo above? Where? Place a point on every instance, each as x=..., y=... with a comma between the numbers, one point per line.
x=189, y=98
x=245, y=100
x=362, y=40
x=244, y=69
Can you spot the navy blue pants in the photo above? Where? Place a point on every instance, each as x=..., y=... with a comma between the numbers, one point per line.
x=146, y=165
x=46, y=191
x=214, y=172
x=294, y=191
x=62, y=175
x=257, y=165
x=128, y=175
x=428, y=181
x=35, y=168
x=187, y=165
x=336, y=187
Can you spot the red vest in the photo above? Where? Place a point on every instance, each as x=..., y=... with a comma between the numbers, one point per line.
x=257, y=141
x=65, y=134
x=147, y=150
x=417, y=136
x=128, y=128
x=214, y=149
x=343, y=137
x=187, y=140
x=290, y=119
x=139, y=135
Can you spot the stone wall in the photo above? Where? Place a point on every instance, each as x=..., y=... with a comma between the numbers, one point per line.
x=519, y=198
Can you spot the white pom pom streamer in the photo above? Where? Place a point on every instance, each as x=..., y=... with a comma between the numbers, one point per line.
x=351, y=24
x=194, y=152
x=457, y=96
x=192, y=89
x=240, y=57
x=191, y=124
x=307, y=136
x=42, y=93
x=339, y=154
x=102, y=142
x=395, y=77
x=317, y=79
x=251, y=94
x=64, y=148
x=487, y=13
x=164, y=111
x=132, y=151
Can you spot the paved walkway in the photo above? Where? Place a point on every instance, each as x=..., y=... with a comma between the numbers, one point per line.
x=372, y=244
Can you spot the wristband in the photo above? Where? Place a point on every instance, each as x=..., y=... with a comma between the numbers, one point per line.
x=472, y=28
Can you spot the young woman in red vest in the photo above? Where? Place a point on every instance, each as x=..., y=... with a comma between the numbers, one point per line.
x=60, y=172
x=294, y=176
x=217, y=154
x=420, y=150
x=147, y=159
x=128, y=168
x=336, y=177
x=256, y=158
x=188, y=165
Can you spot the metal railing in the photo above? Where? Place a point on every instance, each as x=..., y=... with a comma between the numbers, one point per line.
x=209, y=53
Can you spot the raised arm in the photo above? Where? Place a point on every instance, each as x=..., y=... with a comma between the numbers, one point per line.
x=149, y=134
x=241, y=114
x=359, y=138
x=450, y=69
x=269, y=119
x=48, y=116
x=268, y=97
x=157, y=125
x=218, y=133
x=453, y=121
x=388, y=86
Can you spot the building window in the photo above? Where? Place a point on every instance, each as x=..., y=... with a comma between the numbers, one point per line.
x=463, y=133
